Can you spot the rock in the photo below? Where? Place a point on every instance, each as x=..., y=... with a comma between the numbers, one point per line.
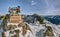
x=49, y=31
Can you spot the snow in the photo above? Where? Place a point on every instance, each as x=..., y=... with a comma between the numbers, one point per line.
x=27, y=34
x=38, y=30
x=35, y=29
x=0, y=32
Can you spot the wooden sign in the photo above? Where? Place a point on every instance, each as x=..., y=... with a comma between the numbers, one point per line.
x=15, y=19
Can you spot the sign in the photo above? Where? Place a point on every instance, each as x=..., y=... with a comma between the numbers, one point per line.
x=15, y=19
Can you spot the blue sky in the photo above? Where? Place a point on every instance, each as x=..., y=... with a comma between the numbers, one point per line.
x=41, y=7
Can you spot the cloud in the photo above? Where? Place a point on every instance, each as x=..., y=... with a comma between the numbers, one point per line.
x=49, y=12
x=33, y=2
x=53, y=8
x=52, y=12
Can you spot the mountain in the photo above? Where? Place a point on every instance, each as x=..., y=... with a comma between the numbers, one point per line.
x=33, y=18
x=53, y=19
x=39, y=29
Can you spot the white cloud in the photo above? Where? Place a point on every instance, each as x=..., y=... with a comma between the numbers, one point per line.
x=49, y=12
x=33, y=2
x=53, y=8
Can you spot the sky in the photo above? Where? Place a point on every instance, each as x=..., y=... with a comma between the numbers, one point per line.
x=29, y=7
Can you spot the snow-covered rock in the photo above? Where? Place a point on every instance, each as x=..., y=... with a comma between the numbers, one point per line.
x=39, y=29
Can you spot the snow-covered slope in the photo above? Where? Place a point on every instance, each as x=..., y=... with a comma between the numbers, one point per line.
x=39, y=29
